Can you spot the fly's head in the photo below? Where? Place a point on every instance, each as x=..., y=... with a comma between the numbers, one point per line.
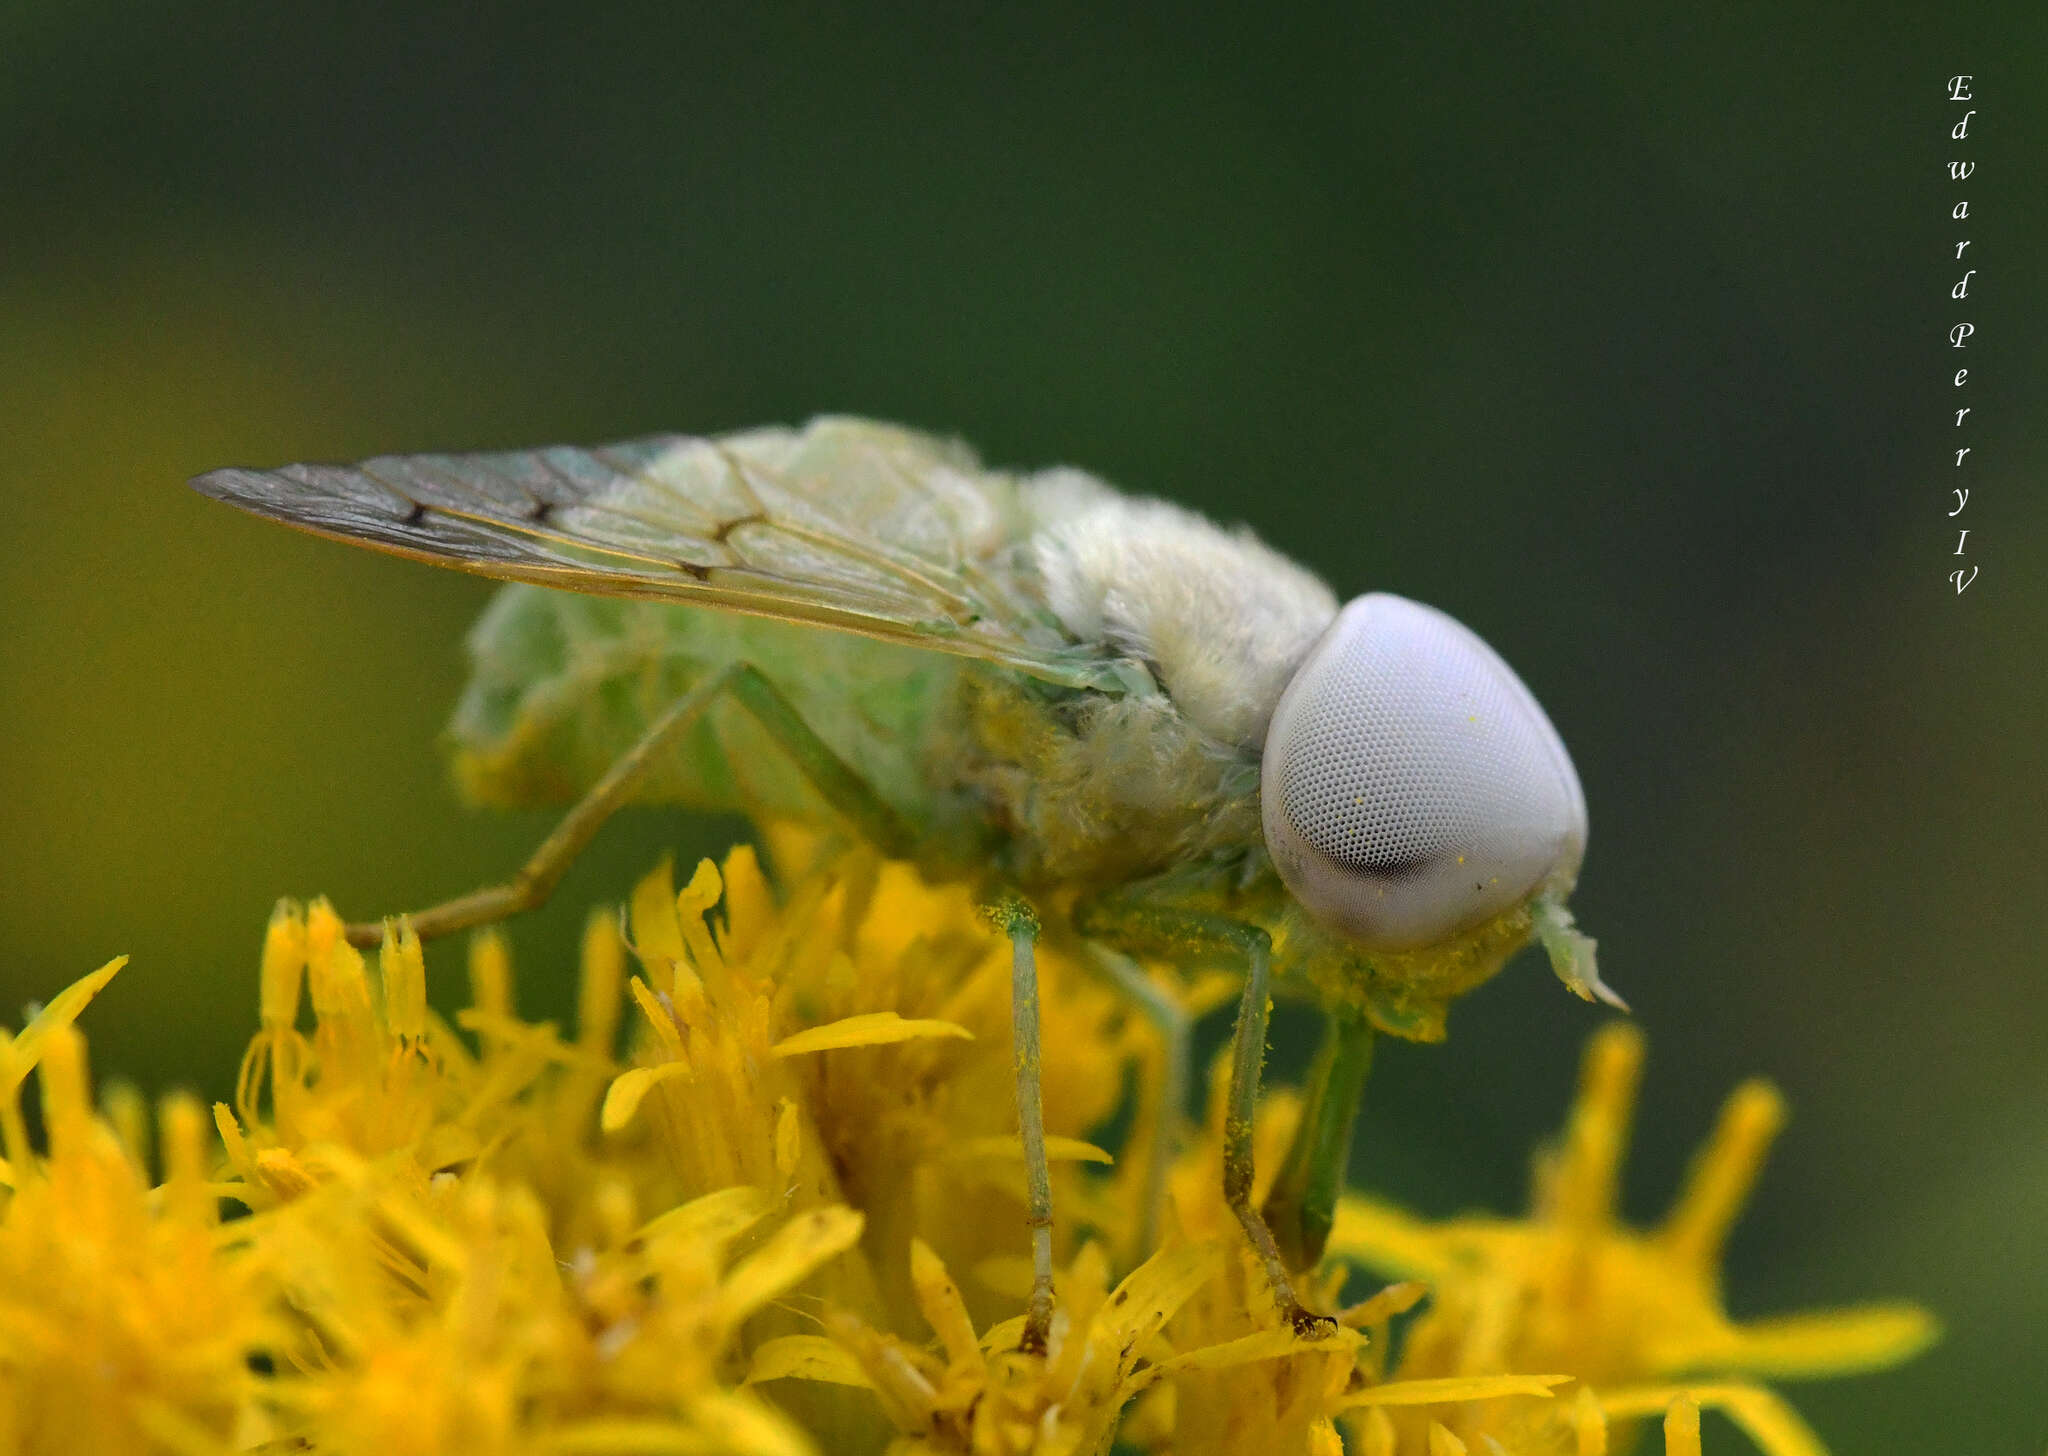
x=1417, y=800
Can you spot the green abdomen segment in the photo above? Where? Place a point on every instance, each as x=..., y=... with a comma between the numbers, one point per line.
x=563, y=684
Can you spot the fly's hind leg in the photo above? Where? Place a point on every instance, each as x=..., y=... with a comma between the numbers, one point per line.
x=1136, y=926
x=1021, y=925
x=1176, y=1032
x=826, y=771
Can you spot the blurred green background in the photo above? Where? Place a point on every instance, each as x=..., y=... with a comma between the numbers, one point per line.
x=1618, y=336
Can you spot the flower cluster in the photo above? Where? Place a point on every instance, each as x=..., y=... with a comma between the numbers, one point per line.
x=767, y=1200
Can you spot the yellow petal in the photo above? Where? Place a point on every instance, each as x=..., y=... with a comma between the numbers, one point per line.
x=1584, y=1173
x=749, y=905
x=1376, y=1434
x=692, y=905
x=1154, y=1291
x=788, y=1258
x=623, y=1098
x=657, y=935
x=1246, y=1349
x=490, y=973
x=1005, y=1274
x=1766, y=1419
x=716, y=1218
x=789, y=1136
x=875, y=1028
x=1388, y=1239
x=744, y=1426
x=1443, y=1443
x=1057, y=1149
x=1589, y=1424
x=61, y=1076
x=1395, y=1299
x=1722, y=1174
x=702, y=892
x=806, y=1357
x=1682, y=1428
x=939, y=1298
x=18, y=1058
x=1803, y=1346
x=185, y=1155
x=601, y=984
x=1005, y=1334
x=1454, y=1388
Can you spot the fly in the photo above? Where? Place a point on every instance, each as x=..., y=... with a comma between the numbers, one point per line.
x=1076, y=699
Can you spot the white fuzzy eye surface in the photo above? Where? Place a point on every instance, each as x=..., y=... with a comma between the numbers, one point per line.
x=1412, y=787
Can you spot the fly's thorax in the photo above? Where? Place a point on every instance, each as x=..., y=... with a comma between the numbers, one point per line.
x=1101, y=788
x=1218, y=617
x=1413, y=789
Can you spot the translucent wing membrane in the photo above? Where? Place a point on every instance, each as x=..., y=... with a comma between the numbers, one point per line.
x=845, y=524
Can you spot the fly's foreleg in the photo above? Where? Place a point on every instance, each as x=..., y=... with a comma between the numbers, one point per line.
x=1302, y=1204
x=1165, y=930
x=827, y=772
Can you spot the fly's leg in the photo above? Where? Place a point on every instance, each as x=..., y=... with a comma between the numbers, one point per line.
x=1161, y=929
x=1302, y=1203
x=1176, y=1032
x=827, y=772
x=1021, y=926
x=1247, y=1058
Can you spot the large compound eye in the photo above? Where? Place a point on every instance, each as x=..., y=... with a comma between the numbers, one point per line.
x=1412, y=788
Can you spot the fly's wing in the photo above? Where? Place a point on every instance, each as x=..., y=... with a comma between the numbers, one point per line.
x=846, y=524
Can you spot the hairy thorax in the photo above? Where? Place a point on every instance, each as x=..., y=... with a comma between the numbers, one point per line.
x=1096, y=789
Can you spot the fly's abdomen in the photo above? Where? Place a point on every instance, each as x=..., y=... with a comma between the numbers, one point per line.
x=562, y=684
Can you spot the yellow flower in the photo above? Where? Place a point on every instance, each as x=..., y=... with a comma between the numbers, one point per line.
x=854, y=1046
x=788, y=1220
x=466, y=1265
x=122, y=1326
x=1635, y=1316
x=1241, y=1382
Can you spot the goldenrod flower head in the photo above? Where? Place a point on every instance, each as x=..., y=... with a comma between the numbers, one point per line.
x=788, y=1220
x=121, y=1326
x=1634, y=1315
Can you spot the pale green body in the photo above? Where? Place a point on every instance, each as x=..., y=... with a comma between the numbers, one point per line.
x=986, y=766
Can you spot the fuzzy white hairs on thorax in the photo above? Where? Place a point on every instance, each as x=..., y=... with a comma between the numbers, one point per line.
x=1221, y=617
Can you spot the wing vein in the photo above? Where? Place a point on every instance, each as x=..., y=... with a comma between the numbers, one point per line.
x=845, y=524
